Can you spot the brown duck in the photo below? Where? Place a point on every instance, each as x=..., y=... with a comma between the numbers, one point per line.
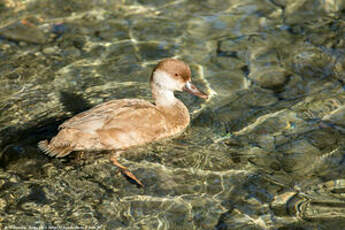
x=117, y=125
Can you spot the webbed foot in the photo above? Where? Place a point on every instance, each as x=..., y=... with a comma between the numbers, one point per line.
x=124, y=170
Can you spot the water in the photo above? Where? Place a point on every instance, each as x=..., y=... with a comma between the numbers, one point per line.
x=266, y=151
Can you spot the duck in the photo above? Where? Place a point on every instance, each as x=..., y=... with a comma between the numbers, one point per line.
x=119, y=124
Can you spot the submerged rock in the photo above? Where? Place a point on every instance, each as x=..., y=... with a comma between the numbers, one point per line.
x=270, y=77
x=51, y=50
x=23, y=31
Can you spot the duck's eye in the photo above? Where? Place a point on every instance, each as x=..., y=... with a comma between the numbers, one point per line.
x=176, y=74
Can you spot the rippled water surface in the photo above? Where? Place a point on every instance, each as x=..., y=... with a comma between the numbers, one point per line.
x=265, y=151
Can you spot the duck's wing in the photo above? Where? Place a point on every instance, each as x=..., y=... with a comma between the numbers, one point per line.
x=134, y=125
x=100, y=115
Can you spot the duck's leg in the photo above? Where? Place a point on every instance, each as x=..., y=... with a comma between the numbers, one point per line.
x=80, y=156
x=124, y=170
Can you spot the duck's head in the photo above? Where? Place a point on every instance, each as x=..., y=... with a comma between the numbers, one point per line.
x=174, y=75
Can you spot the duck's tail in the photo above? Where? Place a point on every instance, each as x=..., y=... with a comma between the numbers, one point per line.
x=54, y=151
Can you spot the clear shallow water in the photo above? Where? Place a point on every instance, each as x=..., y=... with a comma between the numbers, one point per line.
x=266, y=151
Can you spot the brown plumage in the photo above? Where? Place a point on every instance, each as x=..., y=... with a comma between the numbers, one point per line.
x=120, y=124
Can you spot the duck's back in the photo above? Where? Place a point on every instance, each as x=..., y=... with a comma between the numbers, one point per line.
x=102, y=115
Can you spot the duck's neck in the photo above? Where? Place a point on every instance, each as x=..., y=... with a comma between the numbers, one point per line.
x=163, y=97
x=175, y=112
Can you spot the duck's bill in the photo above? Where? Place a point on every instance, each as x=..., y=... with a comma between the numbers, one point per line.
x=192, y=89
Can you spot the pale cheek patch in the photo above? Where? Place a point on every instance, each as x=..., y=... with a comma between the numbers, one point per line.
x=163, y=80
